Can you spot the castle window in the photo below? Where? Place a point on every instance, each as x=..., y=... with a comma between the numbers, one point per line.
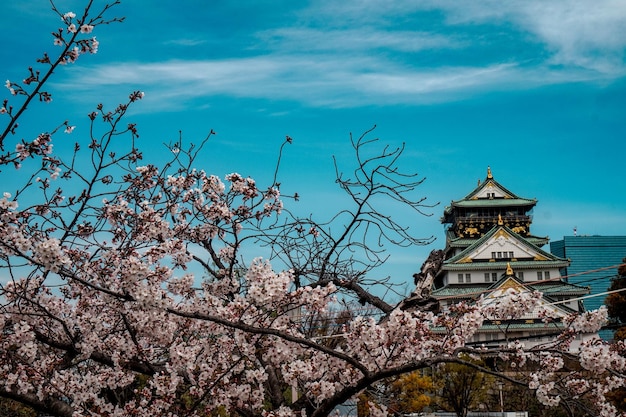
x=491, y=277
x=511, y=255
x=539, y=275
x=520, y=275
x=546, y=275
x=460, y=278
x=468, y=278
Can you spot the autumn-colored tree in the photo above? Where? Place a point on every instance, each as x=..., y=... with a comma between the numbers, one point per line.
x=410, y=393
x=10, y=408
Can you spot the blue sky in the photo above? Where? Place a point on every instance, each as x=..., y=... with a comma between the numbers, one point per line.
x=534, y=89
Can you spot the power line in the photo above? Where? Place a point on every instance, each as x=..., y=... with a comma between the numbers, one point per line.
x=587, y=296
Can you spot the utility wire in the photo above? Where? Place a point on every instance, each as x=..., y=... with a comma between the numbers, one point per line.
x=587, y=296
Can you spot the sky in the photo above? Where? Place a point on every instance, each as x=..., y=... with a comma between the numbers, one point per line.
x=534, y=89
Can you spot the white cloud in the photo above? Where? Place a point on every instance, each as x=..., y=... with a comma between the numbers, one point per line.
x=349, y=53
x=354, y=40
x=323, y=80
x=589, y=34
x=186, y=42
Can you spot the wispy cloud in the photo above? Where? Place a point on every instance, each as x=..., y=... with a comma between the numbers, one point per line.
x=575, y=32
x=344, y=54
x=354, y=40
x=318, y=81
x=186, y=42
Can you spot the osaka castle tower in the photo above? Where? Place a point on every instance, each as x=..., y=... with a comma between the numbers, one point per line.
x=489, y=248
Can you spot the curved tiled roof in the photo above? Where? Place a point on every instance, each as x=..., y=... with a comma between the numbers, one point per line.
x=548, y=288
x=454, y=241
x=550, y=258
x=471, y=200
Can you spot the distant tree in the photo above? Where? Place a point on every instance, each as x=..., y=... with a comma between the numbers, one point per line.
x=461, y=388
x=616, y=302
x=410, y=393
x=10, y=408
x=616, y=305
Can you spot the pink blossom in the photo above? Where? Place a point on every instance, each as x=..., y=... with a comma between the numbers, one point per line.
x=6, y=204
x=86, y=28
x=69, y=129
x=590, y=321
x=94, y=46
x=55, y=174
x=266, y=286
x=9, y=85
x=597, y=356
x=22, y=151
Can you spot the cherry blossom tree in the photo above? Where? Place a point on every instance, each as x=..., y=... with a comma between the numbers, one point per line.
x=127, y=288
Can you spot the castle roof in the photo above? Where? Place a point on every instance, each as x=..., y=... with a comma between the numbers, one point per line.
x=489, y=193
x=455, y=241
x=479, y=254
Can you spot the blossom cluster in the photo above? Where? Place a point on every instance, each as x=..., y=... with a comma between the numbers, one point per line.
x=597, y=356
x=511, y=303
x=589, y=321
x=265, y=286
x=83, y=46
x=41, y=145
x=50, y=254
x=6, y=204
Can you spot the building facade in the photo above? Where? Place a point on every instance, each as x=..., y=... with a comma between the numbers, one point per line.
x=593, y=262
x=489, y=248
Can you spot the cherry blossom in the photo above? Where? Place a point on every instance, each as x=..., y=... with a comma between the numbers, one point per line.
x=86, y=28
x=9, y=85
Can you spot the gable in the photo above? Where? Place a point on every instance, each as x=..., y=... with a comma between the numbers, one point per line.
x=502, y=243
x=490, y=189
x=509, y=286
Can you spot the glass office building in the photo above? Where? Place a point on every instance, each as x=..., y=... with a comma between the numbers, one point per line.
x=594, y=261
